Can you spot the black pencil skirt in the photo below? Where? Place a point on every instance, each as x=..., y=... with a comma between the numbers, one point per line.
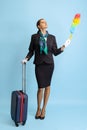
x=43, y=74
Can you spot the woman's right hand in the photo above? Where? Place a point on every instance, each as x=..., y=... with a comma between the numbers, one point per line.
x=24, y=61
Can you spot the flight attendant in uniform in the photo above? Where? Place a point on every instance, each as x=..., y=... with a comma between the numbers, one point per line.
x=43, y=46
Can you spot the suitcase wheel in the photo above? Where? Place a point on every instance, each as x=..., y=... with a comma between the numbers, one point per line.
x=24, y=123
x=16, y=124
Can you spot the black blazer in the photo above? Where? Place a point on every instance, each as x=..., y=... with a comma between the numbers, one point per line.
x=34, y=48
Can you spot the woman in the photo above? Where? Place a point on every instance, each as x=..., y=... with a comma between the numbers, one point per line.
x=43, y=46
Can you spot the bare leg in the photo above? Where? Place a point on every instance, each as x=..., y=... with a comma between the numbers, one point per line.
x=46, y=96
x=39, y=100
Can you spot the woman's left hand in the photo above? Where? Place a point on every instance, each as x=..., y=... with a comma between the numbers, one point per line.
x=62, y=48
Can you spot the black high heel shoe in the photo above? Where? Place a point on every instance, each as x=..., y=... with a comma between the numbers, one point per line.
x=42, y=116
x=37, y=116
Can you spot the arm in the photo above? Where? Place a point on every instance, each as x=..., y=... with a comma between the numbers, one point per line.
x=56, y=51
x=30, y=53
x=31, y=50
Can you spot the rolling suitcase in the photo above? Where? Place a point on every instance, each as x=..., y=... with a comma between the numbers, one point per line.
x=19, y=102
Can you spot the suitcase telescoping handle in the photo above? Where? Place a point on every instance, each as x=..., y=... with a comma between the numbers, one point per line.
x=24, y=77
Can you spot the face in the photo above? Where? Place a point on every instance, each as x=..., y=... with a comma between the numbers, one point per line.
x=43, y=24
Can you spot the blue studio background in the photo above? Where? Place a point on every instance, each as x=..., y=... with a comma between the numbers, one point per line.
x=67, y=106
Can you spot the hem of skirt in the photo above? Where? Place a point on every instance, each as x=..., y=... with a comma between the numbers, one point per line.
x=44, y=86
